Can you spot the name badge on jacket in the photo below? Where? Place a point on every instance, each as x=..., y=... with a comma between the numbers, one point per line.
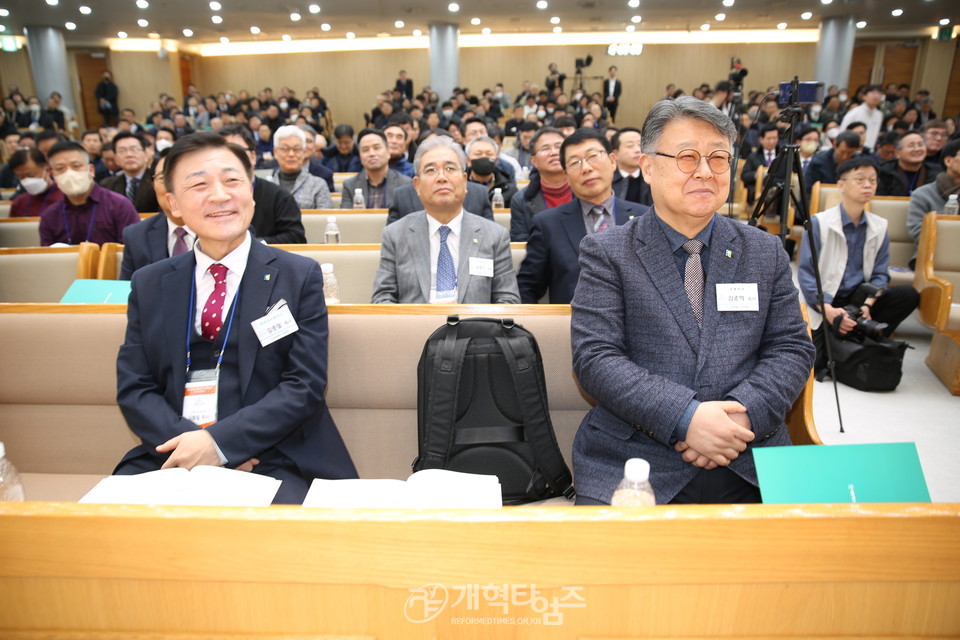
x=737, y=296
x=481, y=267
x=277, y=323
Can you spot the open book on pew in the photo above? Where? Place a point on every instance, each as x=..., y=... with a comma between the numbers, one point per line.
x=201, y=486
x=426, y=489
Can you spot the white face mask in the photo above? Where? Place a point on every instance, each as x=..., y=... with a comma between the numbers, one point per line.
x=541, y=113
x=34, y=186
x=34, y=108
x=74, y=183
x=843, y=97
x=447, y=113
x=833, y=133
x=162, y=144
x=283, y=106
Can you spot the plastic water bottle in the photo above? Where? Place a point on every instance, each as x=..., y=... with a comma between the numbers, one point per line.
x=358, y=202
x=11, y=488
x=524, y=173
x=332, y=234
x=952, y=208
x=497, y=201
x=634, y=490
x=331, y=290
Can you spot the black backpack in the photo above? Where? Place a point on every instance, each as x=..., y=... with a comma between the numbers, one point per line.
x=482, y=408
x=866, y=364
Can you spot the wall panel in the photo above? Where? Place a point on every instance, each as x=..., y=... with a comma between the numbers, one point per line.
x=141, y=77
x=15, y=69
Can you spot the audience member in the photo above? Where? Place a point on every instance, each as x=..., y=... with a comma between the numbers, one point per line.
x=933, y=196
x=628, y=182
x=823, y=167
x=32, y=172
x=440, y=255
x=909, y=170
x=309, y=191
x=342, y=157
x=762, y=157
x=135, y=180
x=612, y=88
x=482, y=153
x=548, y=187
x=377, y=181
x=935, y=135
x=397, y=144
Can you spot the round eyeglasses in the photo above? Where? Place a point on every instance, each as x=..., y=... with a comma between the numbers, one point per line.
x=688, y=160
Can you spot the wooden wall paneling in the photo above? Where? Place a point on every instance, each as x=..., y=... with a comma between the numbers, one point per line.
x=899, y=62
x=89, y=72
x=15, y=69
x=952, y=102
x=936, y=73
x=861, y=66
x=141, y=76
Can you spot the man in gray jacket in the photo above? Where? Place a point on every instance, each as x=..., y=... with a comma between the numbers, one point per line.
x=377, y=181
x=933, y=196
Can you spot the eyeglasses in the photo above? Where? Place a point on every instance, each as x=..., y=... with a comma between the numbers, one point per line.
x=289, y=149
x=123, y=151
x=860, y=181
x=688, y=160
x=449, y=171
x=936, y=134
x=594, y=158
x=550, y=148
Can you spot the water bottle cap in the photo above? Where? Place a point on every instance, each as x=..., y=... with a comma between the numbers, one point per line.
x=358, y=192
x=637, y=470
x=952, y=197
x=3, y=451
x=326, y=267
x=331, y=219
x=498, y=190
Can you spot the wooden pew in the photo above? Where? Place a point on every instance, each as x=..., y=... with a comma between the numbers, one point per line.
x=20, y=232
x=139, y=573
x=938, y=279
x=43, y=274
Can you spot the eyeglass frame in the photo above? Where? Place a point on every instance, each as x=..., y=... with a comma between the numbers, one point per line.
x=449, y=171
x=591, y=157
x=700, y=157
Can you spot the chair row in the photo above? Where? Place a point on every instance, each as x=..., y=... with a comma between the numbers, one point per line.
x=938, y=280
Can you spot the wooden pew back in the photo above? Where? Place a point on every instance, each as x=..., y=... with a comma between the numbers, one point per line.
x=43, y=274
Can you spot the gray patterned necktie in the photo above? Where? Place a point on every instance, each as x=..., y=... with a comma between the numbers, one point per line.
x=132, y=185
x=693, y=277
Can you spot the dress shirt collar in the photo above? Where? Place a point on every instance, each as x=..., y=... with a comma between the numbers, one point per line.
x=171, y=229
x=676, y=239
x=433, y=225
x=635, y=174
x=608, y=205
x=235, y=261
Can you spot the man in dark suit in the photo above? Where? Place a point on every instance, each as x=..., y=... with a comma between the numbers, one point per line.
x=686, y=328
x=628, y=182
x=158, y=237
x=404, y=86
x=406, y=201
x=611, y=93
x=762, y=157
x=555, y=234
x=823, y=167
x=135, y=181
x=268, y=414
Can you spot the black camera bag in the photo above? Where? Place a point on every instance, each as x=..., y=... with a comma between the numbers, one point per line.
x=867, y=364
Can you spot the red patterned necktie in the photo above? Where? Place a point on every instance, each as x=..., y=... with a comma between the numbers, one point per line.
x=211, y=320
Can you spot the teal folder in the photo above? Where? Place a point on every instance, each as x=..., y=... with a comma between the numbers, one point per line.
x=889, y=472
x=98, y=291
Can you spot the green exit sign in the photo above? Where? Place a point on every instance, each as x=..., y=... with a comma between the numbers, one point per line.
x=945, y=34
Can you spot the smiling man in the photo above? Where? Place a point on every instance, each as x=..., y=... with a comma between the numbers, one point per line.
x=909, y=168
x=200, y=321
x=686, y=328
x=439, y=255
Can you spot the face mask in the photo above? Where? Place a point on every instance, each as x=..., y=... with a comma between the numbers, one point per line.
x=162, y=144
x=74, y=183
x=577, y=96
x=34, y=108
x=541, y=113
x=833, y=133
x=34, y=186
x=809, y=147
x=447, y=113
x=843, y=97
x=482, y=166
x=550, y=110
x=498, y=95
x=283, y=106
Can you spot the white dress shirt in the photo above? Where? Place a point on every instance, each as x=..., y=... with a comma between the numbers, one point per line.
x=190, y=238
x=453, y=243
x=235, y=262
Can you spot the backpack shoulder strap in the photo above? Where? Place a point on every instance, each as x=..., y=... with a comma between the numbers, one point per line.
x=442, y=398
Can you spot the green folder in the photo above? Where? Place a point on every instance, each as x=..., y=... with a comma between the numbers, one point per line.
x=98, y=291
x=889, y=472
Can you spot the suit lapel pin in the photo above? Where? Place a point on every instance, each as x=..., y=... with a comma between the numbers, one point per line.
x=729, y=253
x=266, y=277
x=476, y=241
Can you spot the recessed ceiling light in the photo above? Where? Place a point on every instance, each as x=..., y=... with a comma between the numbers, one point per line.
x=861, y=24
x=286, y=37
x=255, y=30
x=53, y=3
x=154, y=35
x=475, y=21
x=4, y=13
x=295, y=16
x=485, y=31
x=542, y=4
x=944, y=22
x=806, y=15
x=84, y=9
x=215, y=6
x=325, y=27
x=558, y=29
x=631, y=28
x=143, y=22
x=216, y=19
x=728, y=3
x=705, y=27
x=555, y=20
x=782, y=26
x=453, y=7
x=143, y=4
x=633, y=4
x=350, y=35
x=2, y=28
x=187, y=33
x=825, y=1
x=70, y=26
x=896, y=13
x=121, y=34
x=314, y=8
x=720, y=17
x=224, y=40
x=636, y=19
x=399, y=24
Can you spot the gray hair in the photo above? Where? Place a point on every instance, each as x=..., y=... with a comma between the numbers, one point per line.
x=682, y=108
x=289, y=131
x=488, y=140
x=437, y=142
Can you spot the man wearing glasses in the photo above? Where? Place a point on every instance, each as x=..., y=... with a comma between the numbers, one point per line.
x=439, y=255
x=555, y=235
x=686, y=328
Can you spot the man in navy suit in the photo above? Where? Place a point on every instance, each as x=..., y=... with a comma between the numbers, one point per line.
x=159, y=236
x=189, y=320
x=555, y=234
x=686, y=328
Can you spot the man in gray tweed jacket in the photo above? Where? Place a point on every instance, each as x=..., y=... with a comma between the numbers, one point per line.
x=686, y=328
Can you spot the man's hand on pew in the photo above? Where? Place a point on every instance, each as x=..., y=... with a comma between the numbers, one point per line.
x=191, y=449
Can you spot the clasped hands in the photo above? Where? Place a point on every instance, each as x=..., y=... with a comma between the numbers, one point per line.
x=718, y=433
x=194, y=448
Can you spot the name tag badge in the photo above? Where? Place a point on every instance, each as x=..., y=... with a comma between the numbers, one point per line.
x=278, y=323
x=200, y=397
x=737, y=296
x=481, y=267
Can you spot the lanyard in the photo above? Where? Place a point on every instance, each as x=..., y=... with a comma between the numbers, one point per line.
x=193, y=301
x=66, y=223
